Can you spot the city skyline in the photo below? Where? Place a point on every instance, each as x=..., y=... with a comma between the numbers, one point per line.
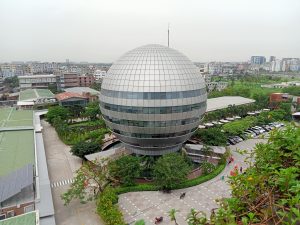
x=96, y=31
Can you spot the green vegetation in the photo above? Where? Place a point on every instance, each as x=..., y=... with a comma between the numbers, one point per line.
x=11, y=82
x=212, y=136
x=237, y=127
x=268, y=192
x=83, y=148
x=125, y=169
x=92, y=110
x=172, y=215
x=207, y=167
x=292, y=90
x=71, y=133
x=90, y=180
x=58, y=113
x=170, y=170
x=107, y=208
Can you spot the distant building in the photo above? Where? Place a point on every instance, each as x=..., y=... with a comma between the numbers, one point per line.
x=37, y=81
x=10, y=70
x=277, y=98
x=258, y=60
x=216, y=86
x=276, y=65
x=99, y=74
x=272, y=58
x=214, y=68
x=86, y=80
x=67, y=80
x=71, y=99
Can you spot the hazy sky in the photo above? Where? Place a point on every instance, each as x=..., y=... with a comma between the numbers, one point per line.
x=101, y=31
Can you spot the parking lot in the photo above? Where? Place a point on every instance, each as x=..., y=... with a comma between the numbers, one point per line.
x=150, y=204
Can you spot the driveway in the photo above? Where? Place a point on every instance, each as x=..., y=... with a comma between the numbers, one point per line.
x=62, y=166
x=150, y=204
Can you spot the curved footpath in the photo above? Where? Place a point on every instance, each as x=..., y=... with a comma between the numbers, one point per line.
x=150, y=204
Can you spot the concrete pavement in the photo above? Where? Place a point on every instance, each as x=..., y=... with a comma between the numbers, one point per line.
x=62, y=165
x=150, y=204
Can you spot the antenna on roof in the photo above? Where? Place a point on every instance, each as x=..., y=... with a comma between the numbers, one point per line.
x=168, y=35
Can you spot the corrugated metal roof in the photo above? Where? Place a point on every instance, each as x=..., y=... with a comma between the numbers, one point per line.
x=68, y=95
x=14, y=182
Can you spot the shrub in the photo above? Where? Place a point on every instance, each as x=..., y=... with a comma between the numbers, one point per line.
x=185, y=184
x=207, y=167
x=83, y=148
x=107, y=208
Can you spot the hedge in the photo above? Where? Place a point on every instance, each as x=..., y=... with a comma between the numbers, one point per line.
x=186, y=184
x=107, y=208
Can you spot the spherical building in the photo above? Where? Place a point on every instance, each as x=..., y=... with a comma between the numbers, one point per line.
x=152, y=99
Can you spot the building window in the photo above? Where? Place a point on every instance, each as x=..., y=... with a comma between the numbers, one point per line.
x=2, y=216
x=10, y=214
x=28, y=208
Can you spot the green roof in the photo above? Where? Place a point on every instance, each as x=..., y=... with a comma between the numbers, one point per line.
x=16, y=139
x=24, y=219
x=16, y=150
x=9, y=117
x=32, y=94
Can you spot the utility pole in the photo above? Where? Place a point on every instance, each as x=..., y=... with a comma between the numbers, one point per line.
x=168, y=35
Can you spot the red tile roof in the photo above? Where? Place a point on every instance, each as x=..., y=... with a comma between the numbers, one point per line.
x=68, y=95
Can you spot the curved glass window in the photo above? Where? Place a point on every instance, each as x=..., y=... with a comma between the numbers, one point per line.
x=137, y=123
x=153, y=110
x=138, y=135
x=153, y=95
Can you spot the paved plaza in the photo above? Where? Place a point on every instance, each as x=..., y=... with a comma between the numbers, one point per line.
x=150, y=204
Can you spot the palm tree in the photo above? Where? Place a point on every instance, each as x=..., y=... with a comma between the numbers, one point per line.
x=207, y=152
x=172, y=215
x=195, y=219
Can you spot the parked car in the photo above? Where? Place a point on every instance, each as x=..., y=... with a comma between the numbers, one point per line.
x=255, y=131
x=237, y=138
x=260, y=129
x=231, y=140
x=266, y=127
x=252, y=133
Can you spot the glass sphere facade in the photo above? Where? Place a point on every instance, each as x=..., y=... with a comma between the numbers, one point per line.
x=152, y=99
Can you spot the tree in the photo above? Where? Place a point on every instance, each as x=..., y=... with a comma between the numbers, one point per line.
x=90, y=180
x=126, y=169
x=170, y=170
x=83, y=148
x=172, y=215
x=11, y=82
x=207, y=151
x=76, y=111
x=57, y=112
x=212, y=136
x=92, y=110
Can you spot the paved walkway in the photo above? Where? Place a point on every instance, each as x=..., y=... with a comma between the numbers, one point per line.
x=62, y=165
x=150, y=204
